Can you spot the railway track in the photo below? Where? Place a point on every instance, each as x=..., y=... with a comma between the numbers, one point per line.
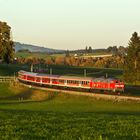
x=98, y=96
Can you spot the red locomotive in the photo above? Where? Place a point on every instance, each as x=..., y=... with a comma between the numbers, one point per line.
x=100, y=84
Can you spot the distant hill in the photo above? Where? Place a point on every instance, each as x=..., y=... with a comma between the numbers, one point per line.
x=34, y=48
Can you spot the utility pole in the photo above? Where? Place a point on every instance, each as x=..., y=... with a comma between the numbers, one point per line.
x=50, y=71
x=32, y=67
x=106, y=75
x=85, y=73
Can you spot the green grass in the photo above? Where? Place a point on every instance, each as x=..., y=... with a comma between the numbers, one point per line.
x=29, y=114
x=5, y=91
x=66, y=117
x=27, y=54
x=37, y=55
x=66, y=126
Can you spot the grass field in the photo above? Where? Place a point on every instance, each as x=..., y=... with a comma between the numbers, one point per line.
x=37, y=55
x=27, y=113
x=63, y=116
x=45, y=55
x=27, y=54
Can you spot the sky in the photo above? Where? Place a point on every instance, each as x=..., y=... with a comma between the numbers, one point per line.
x=72, y=24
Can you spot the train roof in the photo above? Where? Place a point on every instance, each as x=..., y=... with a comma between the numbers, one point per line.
x=101, y=79
x=57, y=76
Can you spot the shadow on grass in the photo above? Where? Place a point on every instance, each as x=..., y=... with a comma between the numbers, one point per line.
x=67, y=113
x=132, y=90
x=26, y=96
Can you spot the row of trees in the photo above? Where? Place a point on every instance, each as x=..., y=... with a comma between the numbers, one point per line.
x=6, y=43
x=121, y=50
x=107, y=62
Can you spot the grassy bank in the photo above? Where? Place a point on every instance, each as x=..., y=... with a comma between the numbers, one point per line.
x=63, y=116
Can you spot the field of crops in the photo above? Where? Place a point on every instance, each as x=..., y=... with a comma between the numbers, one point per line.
x=33, y=114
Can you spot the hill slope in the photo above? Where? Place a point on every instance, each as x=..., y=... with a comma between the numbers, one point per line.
x=34, y=48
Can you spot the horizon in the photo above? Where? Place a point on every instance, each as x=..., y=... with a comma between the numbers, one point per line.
x=72, y=24
x=22, y=43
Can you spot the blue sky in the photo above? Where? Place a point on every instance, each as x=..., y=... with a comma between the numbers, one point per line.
x=72, y=24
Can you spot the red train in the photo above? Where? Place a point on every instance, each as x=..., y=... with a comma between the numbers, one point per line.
x=100, y=84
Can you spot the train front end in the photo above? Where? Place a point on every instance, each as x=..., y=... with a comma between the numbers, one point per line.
x=119, y=86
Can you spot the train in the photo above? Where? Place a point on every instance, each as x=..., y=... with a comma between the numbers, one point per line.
x=71, y=82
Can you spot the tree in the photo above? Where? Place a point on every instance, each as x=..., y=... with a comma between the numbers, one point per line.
x=113, y=50
x=132, y=60
x=109, y=49
x=121, y=51
x=6, y=43
x=86, y=49
x=67, y=53
x=90, y=49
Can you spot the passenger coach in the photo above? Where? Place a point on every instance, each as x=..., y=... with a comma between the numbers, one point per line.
x=102, y=84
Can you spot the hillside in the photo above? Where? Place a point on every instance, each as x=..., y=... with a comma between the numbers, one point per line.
x=34, y=48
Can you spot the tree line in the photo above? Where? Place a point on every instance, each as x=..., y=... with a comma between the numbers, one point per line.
x=106, y=62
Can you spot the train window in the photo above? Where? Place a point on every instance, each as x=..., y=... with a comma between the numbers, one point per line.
x=47, y=80
x=76, y=82
x=61, y=81
x=37, y=79
x=31, y=78
x=24, y=76
x=72, y=82
x=54, y=80
x=85, y=82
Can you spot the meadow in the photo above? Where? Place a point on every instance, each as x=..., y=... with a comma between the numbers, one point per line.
x=45, y=55
x=36, y=114
x=28, y=54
